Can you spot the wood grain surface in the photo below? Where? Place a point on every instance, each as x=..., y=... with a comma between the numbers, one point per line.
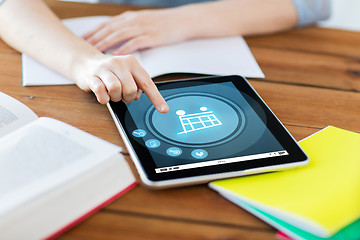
x=312, y=81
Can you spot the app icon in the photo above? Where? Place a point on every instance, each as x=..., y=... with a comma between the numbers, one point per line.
x=174, y=151
x=197, y=118
x=197, y=121
x=139, y=133
x=152, y=143
x=199, y=153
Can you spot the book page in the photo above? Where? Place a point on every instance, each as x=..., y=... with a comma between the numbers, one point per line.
x=42, y=156
x=216, y=56
x=13, y=114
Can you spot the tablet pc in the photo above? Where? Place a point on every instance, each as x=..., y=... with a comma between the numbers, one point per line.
x=216, y=127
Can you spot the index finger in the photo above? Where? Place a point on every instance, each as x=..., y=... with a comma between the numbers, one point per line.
x=145, y=83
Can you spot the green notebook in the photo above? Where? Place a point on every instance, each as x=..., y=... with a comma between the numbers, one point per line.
x=321, y=200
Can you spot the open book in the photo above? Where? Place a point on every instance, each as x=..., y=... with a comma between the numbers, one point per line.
x=317, y=202
x=217, y=56
x=52, y=175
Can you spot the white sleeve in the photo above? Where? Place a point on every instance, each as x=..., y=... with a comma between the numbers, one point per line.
x=311, y=11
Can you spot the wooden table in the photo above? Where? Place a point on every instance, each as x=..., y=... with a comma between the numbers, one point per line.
x=312, y=81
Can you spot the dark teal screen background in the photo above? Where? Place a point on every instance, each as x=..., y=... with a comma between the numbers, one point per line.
x=242, y=131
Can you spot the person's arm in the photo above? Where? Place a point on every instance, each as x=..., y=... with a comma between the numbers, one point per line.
x=151, y=28
x=31, y=27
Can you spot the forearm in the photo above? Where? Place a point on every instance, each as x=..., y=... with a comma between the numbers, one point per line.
x=239, y=17
x=30, y=27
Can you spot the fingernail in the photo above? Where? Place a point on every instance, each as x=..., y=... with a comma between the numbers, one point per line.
x=164, y=108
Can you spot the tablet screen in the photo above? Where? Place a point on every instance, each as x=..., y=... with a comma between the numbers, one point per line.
x=210, y=124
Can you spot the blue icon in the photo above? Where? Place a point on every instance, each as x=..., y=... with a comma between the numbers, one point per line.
x=197, y=121
x=174, y=151
x=214, y=121
x=199, y=153
x=152, y=143
x=139, y=133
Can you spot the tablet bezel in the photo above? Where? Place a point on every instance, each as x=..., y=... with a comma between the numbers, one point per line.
x=146, y=166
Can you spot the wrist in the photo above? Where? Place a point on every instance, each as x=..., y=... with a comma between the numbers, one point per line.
x=83, y=64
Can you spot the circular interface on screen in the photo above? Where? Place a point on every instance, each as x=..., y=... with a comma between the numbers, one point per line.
x=196, y=119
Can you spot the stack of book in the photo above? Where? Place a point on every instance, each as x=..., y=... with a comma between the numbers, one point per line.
x=320, y=201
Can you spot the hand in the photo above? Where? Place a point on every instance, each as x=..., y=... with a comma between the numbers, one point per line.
x=140, y=30
x=117, y=78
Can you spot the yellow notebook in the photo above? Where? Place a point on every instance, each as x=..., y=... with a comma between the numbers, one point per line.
x=321, y=198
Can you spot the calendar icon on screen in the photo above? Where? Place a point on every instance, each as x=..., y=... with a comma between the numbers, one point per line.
x=197, y=121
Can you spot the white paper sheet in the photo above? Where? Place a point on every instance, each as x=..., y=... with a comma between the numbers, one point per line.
x=217, y=56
